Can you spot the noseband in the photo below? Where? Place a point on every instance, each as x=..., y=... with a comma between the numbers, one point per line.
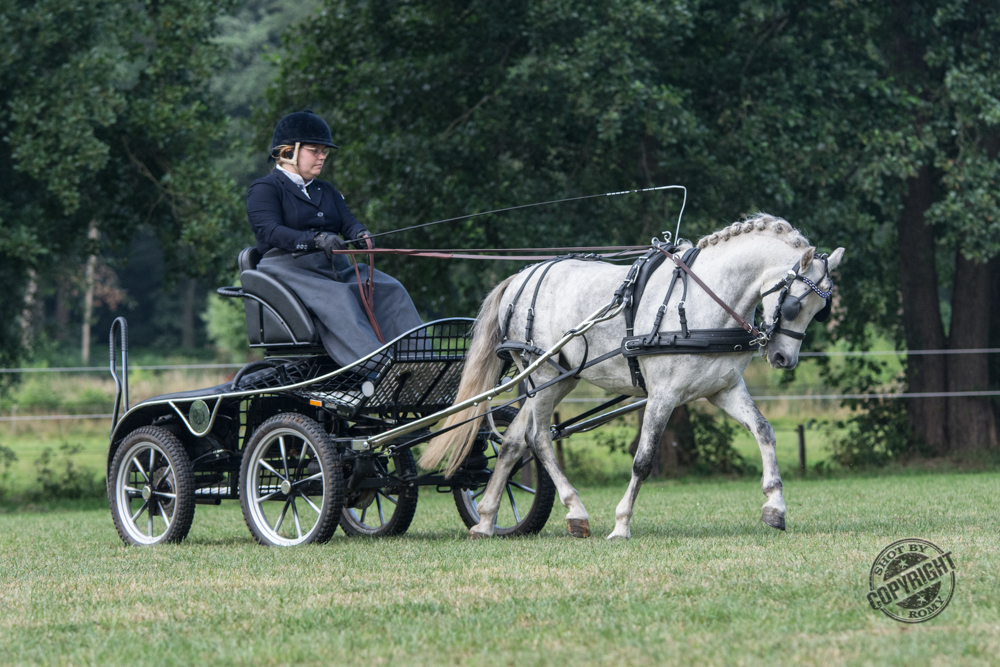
x=788, y=307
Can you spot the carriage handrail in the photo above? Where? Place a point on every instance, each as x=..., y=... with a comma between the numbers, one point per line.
x=121, y=384
x=602, y=314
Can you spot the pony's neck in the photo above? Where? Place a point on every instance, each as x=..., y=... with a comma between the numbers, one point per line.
x=746, y=267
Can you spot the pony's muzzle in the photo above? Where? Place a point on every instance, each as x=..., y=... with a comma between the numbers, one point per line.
x=783, y=361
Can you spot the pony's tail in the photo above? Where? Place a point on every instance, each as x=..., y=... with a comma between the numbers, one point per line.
x=482, y=366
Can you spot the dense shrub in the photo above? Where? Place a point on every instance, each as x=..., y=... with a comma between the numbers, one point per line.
x=713, y=446
x=58, y=477
x=878, y=436
x=7, y=459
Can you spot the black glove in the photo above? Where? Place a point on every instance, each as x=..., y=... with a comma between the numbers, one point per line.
x=359, y=240
x=327, y=241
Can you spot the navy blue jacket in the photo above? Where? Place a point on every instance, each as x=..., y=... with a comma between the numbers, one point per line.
x=283, y=217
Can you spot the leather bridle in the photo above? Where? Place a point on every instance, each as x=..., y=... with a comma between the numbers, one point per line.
x=788, y=307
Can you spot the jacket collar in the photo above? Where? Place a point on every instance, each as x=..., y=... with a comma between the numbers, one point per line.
x=287, y=183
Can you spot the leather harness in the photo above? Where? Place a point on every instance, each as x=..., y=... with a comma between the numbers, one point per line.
x=684, y=341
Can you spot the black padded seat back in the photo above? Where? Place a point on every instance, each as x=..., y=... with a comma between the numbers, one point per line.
x=286, y=322
x=248, y=259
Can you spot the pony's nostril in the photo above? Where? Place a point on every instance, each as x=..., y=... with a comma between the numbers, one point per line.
x=779, y=360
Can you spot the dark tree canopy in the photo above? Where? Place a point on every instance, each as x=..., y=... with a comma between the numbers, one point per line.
x=859, y=122
x=106, y=120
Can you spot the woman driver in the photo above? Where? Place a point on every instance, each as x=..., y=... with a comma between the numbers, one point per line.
x=291, y=212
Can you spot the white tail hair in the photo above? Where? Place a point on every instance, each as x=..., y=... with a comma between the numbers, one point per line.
x=482, y=367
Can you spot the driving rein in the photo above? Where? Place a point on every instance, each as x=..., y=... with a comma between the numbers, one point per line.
x=683, y=341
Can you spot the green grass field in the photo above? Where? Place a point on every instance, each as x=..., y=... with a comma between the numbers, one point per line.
x=703, y=581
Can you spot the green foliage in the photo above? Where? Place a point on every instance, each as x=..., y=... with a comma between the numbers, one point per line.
x=226, y=324
x=251, y=38
x=878, y=435
x=105, y=116
x=714, y=452
x=58, y=477
x=7, y=459
x=818, y=112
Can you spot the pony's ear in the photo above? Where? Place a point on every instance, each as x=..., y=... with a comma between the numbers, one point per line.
x=835, y=258
x=807, y=258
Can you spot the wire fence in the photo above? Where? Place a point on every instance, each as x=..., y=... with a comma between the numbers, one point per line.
x=105, y=369
x=759, y=397
x=170, y=367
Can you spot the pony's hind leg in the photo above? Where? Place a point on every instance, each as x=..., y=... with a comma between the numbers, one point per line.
x=738, y=404
x=510, y=453
x=655, y=420
x=540, y=436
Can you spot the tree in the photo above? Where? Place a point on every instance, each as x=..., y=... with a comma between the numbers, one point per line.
x=869, y=125
x=106, y=117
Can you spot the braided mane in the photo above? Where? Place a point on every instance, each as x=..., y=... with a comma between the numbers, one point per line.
x=760, y=222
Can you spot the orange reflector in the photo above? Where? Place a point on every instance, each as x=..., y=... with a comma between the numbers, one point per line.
x=318, y=404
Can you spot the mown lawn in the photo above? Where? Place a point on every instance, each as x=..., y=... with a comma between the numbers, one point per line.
x=703, y=581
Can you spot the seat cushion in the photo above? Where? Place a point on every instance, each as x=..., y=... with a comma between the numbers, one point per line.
x=298, y=325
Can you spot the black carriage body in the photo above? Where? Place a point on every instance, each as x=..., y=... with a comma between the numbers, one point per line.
x=411, y=377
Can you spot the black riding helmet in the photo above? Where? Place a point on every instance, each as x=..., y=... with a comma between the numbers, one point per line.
x=301, y=127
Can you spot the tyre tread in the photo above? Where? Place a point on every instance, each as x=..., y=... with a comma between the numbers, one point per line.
x=183, y=476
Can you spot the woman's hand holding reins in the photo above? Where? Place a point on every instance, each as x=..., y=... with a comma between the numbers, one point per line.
x=328, y=241
x=363, y=240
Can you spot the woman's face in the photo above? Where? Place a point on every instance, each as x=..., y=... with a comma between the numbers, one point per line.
x=311, y=159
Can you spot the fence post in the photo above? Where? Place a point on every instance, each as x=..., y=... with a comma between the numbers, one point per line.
x=802, y=449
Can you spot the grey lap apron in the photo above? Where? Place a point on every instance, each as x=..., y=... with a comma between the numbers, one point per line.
x=332, y=295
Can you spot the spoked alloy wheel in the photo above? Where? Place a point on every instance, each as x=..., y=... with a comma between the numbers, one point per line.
x=384, y=511
x=291, y=484
x=152, y=500
x=527, y=497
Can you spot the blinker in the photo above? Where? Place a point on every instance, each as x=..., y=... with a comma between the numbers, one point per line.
x=792, y=305
x=824, y=314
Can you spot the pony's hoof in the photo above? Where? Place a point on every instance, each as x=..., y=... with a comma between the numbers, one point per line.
x=475, y=535
x=613, y=537
x=773, y=518
x=578, y=527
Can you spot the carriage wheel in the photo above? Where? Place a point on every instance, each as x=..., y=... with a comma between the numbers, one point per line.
x=291, y=483
x=385, y=511
x=527, y=497
x=151, y=488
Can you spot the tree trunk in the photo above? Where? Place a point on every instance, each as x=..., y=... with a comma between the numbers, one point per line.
x=971, y=424
x=187, y=314
x=62, y=310
x=27, y=315
x=918, y=280
x=88, y=297
x=994, y=340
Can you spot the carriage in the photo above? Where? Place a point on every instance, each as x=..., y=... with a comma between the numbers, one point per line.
x=295, y=437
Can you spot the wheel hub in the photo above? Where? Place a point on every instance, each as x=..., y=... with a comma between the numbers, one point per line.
x=147, y=492
x=286, y=487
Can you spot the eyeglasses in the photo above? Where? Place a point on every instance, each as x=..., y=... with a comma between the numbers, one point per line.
x=321, y=151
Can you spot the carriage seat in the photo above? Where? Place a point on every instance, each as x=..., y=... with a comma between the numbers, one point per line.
x=275, y=316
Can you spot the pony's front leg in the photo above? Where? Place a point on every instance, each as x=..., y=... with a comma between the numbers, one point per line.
x=738, y=404
x=655, y=421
